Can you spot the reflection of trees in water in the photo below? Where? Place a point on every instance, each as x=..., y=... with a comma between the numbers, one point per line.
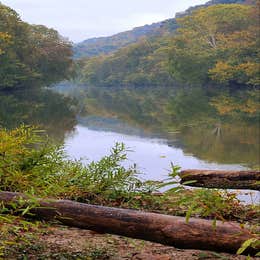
x=228, y=143
x=202, y=132
x=217, y=131
x=50, y=111
x=141, y=107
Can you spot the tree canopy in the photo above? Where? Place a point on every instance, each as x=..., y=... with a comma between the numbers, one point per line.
x=30, y=53
x=218, y=43
x=141, y=64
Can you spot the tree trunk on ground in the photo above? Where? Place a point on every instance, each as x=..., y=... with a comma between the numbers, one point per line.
x=249, y=180
x=164, y=229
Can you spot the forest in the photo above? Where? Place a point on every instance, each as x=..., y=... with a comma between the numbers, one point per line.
x=31, y=55
x=191, y=49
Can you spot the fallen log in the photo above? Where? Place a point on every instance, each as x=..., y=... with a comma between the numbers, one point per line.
x=249, y=180
x=164, y=229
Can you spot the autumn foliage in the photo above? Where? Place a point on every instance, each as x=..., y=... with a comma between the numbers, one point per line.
x=28, y=53
x=218, y=43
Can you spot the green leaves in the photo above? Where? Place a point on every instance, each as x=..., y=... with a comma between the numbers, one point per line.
x=140, y=64
x=217, y=43
x=107, y=176
x=31, y=164
x=30, y=54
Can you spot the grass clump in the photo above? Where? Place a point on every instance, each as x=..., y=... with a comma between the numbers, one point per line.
x=30, y=163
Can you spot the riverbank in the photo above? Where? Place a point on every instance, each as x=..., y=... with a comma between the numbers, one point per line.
x=59, y=242
x=34, y=166
x=24, y=238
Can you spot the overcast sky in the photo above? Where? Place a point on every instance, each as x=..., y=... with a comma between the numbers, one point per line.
x=82, y=19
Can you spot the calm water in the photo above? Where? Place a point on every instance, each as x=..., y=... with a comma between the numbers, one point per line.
x=152, y=155
x=90, y=136
x=94, y=138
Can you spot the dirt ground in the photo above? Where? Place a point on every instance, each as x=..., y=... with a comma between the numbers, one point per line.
x=72, y=243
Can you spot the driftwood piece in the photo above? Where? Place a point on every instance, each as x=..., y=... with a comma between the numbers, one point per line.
x=249, y=180
x=164, y=229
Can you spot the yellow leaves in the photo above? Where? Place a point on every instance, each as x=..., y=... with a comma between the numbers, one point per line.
x=16, y=141
x=5, y=39
x=239, y=40
x=217, y=19
x=252, y=70
x=21, y=150
x=224, y=104
x=221, y=41
x=247, y=72
x=4, y=36
x=248, y=103
x=222, y=72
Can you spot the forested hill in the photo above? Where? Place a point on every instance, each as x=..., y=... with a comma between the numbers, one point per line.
x=208, y=47
x=105, y=45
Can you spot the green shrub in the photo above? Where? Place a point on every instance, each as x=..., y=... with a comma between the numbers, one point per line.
x=31, y=163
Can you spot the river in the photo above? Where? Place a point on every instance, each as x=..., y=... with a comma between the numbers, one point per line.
x=93, y=138
x=92, y=133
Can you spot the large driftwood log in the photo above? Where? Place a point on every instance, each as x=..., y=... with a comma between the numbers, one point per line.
x=222, y=179
x=164, y=229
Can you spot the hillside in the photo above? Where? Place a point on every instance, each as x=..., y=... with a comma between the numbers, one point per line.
x=105, y=45
x=164, y=60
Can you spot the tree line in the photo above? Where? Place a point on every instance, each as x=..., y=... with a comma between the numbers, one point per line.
x=30, y=55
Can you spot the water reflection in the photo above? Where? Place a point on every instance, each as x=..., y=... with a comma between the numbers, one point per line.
x=234, y=144
x=190, y=124
x=152, y=155
x=48, y=110
x=139, y=112
x=143, y=121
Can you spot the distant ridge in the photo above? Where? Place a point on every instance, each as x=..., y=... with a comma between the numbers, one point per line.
x=105, y=45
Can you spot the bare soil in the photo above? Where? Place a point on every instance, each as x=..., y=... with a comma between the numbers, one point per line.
x=72, y=243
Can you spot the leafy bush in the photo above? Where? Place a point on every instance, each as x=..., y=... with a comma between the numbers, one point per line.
x=31, y=163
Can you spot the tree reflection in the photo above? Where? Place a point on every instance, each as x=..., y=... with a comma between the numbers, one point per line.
x=186, y=118
x=50, y=111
